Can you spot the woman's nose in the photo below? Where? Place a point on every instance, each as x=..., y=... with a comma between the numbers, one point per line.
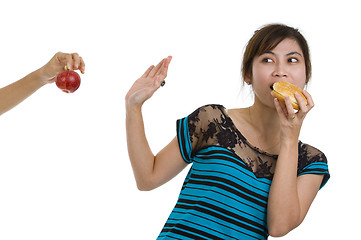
x=280, y=70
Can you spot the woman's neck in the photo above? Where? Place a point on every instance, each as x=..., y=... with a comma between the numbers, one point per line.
x=265, y=121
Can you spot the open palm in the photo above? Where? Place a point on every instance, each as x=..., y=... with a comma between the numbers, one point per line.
x=148, y=83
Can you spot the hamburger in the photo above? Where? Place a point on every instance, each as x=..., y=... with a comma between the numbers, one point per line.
x=282, y=89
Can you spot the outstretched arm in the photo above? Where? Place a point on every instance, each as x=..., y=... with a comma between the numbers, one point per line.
x=15, y=93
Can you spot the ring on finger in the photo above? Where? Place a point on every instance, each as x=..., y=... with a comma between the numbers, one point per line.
x=162, y=83
x=292, y=117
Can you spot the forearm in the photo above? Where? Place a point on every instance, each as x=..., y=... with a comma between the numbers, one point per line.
x=140, y=154
x=283, y=202
x=15, y=93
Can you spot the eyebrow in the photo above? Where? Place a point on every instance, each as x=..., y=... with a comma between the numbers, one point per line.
x=288, y=54
x=294, y=53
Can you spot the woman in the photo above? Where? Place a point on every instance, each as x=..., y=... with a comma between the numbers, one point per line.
x=13, y=94
x=251, y=177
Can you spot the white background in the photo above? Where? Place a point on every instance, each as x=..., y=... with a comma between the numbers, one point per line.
x=64, y=167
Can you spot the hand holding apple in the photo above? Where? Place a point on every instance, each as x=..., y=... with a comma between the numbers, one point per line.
x=59, y=62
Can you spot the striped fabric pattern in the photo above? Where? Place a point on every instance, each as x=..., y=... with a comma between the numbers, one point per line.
x=220, y=198
x=316, y=168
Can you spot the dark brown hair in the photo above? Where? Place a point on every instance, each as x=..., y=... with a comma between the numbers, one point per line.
x=266, y=39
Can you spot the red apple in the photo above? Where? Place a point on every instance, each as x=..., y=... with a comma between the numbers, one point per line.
x=68, y=81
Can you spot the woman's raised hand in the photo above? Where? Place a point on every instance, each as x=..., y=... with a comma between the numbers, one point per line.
x=148, y=83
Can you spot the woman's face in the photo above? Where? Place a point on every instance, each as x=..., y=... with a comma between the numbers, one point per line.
x=283, y=63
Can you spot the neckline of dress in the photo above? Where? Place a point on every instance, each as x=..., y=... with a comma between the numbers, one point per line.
x=225, y=113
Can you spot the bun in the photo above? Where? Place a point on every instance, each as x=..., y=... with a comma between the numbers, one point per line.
x=282, y=89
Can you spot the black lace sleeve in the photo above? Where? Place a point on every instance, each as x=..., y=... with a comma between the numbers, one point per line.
x=194, y=130
x=312, y=161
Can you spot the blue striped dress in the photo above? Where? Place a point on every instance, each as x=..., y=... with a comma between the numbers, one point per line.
x=225, y=193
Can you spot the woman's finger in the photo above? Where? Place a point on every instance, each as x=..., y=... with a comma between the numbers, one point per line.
x=76, y=60
x=163, y=71
x=67, y=61
x=309, y=99
x=157, y=82
x=301, y=103
x=280, y=109
x=156, y=68
x=147, y=72
x=289, y=108
x=82, y=65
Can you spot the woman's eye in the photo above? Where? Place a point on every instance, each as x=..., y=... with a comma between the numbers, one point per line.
x=293, y=60
x=267, y=60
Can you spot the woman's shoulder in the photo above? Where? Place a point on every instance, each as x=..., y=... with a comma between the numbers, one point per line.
x=218, y=113
x=309, y=153
x=207, y=111
x=312, y=161
x=212, y=107
x=217, y=108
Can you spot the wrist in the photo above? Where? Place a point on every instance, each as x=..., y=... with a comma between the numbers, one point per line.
x=132, y=104
x=289, y=136
x=42, y=76
x=132, y=108
x=289, y=142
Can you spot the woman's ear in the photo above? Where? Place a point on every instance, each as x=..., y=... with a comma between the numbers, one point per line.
x=248, y=79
